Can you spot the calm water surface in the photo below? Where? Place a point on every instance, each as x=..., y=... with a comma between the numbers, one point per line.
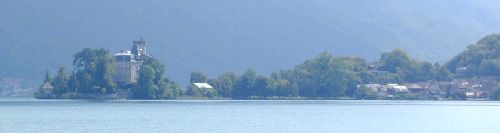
x=49, y=116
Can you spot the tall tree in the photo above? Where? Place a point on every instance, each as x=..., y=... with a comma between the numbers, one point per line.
x=244, y=87
x=47, y=77
x=146, y=86
x=197, y=77
x=94, y=70
x=395, y=60
x=224, y=84
x=262, y=85
x=61, y=81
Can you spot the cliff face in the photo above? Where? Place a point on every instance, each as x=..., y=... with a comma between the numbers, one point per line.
x=227, y=35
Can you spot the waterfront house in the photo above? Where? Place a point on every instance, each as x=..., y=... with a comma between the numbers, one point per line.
x=414, y=88
x=47, y=89
x=205, y=89
x=202, y=86
x=395, y=90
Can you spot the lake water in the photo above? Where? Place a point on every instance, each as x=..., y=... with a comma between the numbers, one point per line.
x=48, y=116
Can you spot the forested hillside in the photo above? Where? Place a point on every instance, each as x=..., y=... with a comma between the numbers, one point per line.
x=227, y=35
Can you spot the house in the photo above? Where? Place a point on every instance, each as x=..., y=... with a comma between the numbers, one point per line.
x=205, y=89
x=395, y=88
x=47, y=89
x=202, y=86
x=414, y=88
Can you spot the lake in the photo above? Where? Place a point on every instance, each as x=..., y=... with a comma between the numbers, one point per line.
x=84, y=116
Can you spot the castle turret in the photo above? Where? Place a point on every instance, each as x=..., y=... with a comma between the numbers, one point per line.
x=141, y=46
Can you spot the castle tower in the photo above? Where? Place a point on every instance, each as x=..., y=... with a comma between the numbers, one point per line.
x=141, y=46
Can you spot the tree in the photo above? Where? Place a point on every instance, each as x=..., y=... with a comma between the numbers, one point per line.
x=158, y=68
x=197, y=77
x=168, y=89
x=363, y=92
x=224, y=84
x=261, y=86
x=94, y=70
x=244, y=87
x=47, y=77
x=61, y=81
x=394, y=61
x=326, y=75
x=85, y=82
x=146, y=88
x=496, y=93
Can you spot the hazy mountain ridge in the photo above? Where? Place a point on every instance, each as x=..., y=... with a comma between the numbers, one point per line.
x=225, y=35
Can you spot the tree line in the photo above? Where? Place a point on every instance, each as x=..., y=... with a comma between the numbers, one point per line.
x=331, y=76
x=325, y=76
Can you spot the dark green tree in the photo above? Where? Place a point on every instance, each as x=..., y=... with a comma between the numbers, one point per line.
x=244, y=87
x=146, y=88
x=261, y=86
x=47, y=77
x=198, y=77
x=61, y=81
x=224, y=84
x=94, y=70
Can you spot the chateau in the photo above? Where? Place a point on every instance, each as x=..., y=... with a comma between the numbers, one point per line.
x=128, y=63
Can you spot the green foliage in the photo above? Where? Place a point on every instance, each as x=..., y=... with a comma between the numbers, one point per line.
x=209, y=92
x=395, y=61
x=363, y=92
x=244, y=87
x=168, y=89
x=151, y=83
x=478, y=59
x=146, y=86
x=94, y=71
x=224, y=84
x=198, y=77
x=401, y=68
x=194, y=92
x=328, y=76
x=47, y=77
x=61, y=81
x=496, y=93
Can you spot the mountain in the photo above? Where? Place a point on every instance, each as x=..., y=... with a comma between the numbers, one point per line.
x=215, y=36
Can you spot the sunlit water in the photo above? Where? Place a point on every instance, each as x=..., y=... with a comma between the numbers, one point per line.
x=49, y=116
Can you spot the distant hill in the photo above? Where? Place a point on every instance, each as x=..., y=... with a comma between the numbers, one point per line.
x=232, y=35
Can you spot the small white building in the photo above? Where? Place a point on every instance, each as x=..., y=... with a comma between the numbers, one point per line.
x=397, y=88
x=47, y=88
x=202, y=85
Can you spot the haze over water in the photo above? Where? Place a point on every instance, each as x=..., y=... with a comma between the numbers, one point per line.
x=249, y=116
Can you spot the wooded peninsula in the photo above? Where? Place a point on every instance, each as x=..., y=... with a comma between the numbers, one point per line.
x=470, y=75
